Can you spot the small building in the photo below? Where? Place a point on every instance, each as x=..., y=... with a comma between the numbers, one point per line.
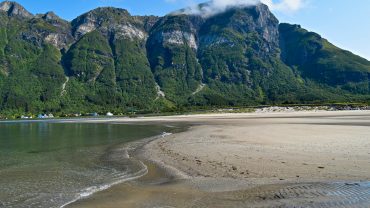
x=42, y=116
x=94, y=114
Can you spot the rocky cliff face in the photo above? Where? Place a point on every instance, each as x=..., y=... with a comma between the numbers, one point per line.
x=107, y=59
x=15, y=10
x=59, y=33
x=172, y=53
x=109, y=21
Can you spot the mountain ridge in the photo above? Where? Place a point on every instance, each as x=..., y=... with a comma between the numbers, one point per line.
x=14, y=9
x=107, y=59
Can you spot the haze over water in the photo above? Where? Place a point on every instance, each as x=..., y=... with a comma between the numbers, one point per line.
x=44, y=164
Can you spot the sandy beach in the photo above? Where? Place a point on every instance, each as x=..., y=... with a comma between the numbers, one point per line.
x=235, y=160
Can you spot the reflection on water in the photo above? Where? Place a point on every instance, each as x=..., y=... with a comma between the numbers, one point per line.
x=49, y=164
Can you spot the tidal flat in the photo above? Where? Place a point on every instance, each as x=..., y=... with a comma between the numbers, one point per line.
x=298, y=159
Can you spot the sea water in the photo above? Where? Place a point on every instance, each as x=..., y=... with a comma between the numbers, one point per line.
x=50, y=164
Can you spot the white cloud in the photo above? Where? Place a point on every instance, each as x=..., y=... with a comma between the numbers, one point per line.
x=217, y=6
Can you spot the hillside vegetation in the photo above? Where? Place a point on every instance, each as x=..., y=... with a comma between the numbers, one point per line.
x=107, y=60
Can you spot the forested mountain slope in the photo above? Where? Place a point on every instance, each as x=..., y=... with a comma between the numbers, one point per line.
x=109, y=60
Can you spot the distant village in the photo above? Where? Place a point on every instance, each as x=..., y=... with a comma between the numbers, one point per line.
x=45, y=116
x=261, y=109
x=51, y=116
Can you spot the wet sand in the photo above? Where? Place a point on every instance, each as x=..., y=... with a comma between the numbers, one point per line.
x=237, y=160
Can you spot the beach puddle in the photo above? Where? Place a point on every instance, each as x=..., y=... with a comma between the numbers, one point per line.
x=293, y=195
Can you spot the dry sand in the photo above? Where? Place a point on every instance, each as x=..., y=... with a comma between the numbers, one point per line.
x=238, y=160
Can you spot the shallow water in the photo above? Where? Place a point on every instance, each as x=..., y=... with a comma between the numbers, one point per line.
x=334, y=194
x=157, y=189
x=48, y=164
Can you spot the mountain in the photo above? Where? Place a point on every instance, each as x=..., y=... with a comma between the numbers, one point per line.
x=109, y=60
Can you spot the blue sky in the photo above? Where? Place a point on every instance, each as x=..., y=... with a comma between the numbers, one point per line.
x=345, y=23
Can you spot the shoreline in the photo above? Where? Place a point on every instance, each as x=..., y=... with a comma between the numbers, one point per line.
x=217, y=155
x=232, y=110
x=129, y=149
